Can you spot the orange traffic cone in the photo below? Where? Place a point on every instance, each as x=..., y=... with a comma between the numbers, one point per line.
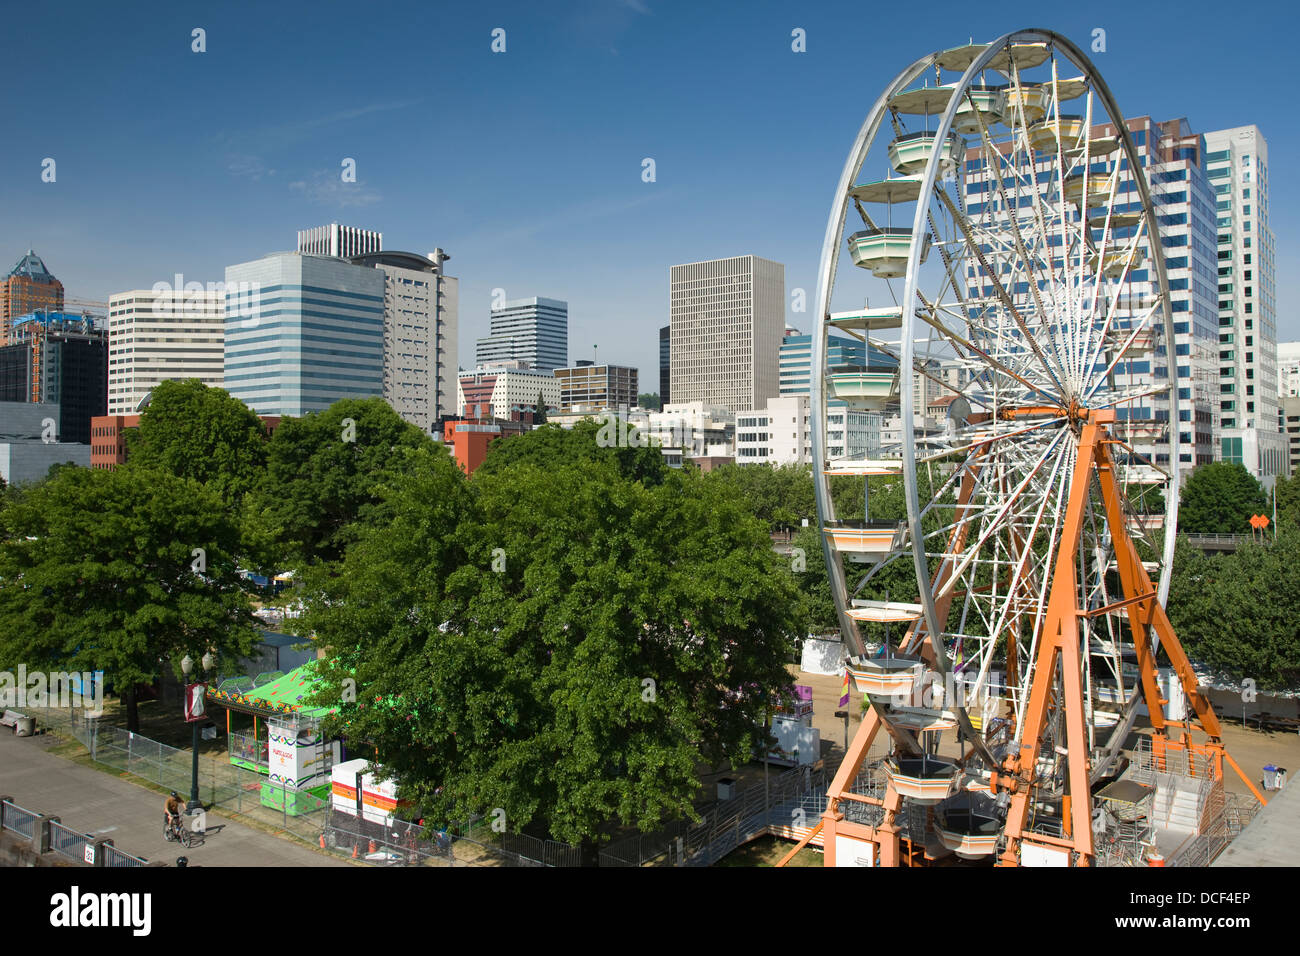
x=322, y=841
x=354, y=851
x=372, y=847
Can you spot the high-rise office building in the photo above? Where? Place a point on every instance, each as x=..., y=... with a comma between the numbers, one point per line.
x=61, y=360
x=534, y=331
x=590, y=386
x=665, y=363
x=420, y=334
x=795, y=359
x=728, y=317
x=1237, y=164
x=29, y=287
x=1173, y=159
x=309, y=332
x=341, y=242
x=154, y=336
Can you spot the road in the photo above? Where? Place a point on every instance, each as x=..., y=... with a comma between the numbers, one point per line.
x=106, y=805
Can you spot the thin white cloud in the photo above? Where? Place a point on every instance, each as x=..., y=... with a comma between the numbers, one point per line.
x=578, y=214
x=246, y=166
x=328, y=189
x=245, y=149
x=291, y=132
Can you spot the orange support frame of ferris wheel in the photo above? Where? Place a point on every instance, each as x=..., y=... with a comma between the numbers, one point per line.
x=1059, y=647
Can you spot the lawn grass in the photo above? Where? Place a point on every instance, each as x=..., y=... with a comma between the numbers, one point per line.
x=768, y=851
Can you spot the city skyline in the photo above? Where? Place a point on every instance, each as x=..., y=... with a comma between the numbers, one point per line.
x=724, y=184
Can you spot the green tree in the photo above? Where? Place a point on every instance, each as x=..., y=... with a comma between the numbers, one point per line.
x=1219, y=498
x=120, y=571
x=572, y=654
x=193, y=431
x=539, y=415
x=1287, y=491
x=322, y=479
x=649, y=400
x=1239, y=613
x=587, y=441
x=816, y=608
x=781, y=496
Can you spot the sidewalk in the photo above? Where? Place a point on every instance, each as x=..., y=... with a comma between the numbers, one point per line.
x=131, y=816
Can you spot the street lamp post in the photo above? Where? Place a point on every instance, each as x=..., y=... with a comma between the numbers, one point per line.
x=195, y=804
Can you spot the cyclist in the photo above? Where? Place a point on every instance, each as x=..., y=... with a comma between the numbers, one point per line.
x=172, y=810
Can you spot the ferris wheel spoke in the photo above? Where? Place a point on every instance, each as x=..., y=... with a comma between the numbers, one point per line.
x=1004, y=507
x=987, y=439
x=929, y=315
x=1023, y=562
x=1002, y=294
x=1139, y=328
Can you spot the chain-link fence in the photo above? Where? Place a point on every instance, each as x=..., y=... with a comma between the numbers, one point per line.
x=401, y=843
x=220, y=783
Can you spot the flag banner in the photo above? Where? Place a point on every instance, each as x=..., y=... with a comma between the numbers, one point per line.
x=194, y=702
x=844, y=689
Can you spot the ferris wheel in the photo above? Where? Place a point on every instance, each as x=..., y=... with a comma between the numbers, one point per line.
x=996, y=336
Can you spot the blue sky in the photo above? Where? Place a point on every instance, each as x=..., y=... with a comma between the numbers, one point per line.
x=526, y=165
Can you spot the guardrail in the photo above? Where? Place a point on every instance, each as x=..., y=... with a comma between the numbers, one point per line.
x=17, y=820
x=120, y=858
x=1216, y=542
x=68, y=842
x=724, y=826
x=47, y=834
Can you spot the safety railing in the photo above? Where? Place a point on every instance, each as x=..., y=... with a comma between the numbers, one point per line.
x=68, y=842
x=726, y=825
x=18, y=820
x=47, y=834
x=120, y=858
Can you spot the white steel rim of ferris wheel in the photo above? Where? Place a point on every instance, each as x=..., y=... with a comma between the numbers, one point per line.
x=1072, y=376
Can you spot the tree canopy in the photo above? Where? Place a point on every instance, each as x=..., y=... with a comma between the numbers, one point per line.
x=1287, y=492
x=1219, y=498
x=322, y=478
x=1239, y=613
x=121, y=571
x=586, y=442
x=781, y=496
x=193, y=431
x=570, y=650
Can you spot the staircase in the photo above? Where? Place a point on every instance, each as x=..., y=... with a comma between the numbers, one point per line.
x=1180, y=803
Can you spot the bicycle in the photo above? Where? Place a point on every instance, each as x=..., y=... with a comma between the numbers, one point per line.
x=176, y=831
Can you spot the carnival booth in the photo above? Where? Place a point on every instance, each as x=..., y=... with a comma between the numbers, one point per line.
x=293, y=755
